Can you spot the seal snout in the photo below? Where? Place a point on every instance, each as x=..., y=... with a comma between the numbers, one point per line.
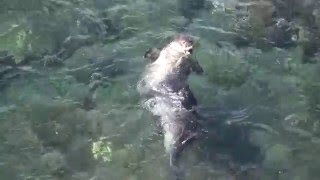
x=186, y=42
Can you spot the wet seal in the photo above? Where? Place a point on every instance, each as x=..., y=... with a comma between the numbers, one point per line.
x=166, y=94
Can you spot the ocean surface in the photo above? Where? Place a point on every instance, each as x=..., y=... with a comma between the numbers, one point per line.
x=69, y=108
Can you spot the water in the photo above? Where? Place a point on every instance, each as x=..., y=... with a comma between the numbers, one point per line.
x=69, y=108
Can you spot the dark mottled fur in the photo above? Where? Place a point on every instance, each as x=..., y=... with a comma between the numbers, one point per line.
x=168, y=96
x=189, y=66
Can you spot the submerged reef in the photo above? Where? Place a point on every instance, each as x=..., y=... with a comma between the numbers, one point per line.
x=69, y=108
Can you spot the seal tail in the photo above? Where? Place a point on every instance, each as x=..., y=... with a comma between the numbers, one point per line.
x=175, y=154
x=175, y=169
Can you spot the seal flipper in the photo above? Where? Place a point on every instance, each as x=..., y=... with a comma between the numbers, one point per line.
x=195, y=66
x=152, y=54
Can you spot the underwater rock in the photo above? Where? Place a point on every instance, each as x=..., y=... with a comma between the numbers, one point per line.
x=123, y=21
x=78, y=154
x=73, y=43
x=228, y=70
x=80, y=176
x=121, y=157
x=54, y=121
x=64, y=30
x=89, y=23
x=132, y=177
x=180, y=22
x=309, y=43
x=282, y=34
x=128, y=157
x=189, y=8
x=261, y=139
x=10, y=73
x=316, y=15
x=293, y=9
x=89, y=102
x=92, y=122
x=95, y=62
x=54, y=133
x=4, y=70
x=260, y=12
x=277, y=157
x=267, y=24
x=54, y=162
x=52, y=60
x=68, y=47
x=6, y=58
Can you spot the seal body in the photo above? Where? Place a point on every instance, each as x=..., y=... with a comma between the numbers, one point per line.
x=168, y=97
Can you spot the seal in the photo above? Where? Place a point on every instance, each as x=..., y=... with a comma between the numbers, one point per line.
x=167, y=95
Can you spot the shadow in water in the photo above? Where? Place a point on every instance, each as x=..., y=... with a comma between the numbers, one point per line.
x=228, y=146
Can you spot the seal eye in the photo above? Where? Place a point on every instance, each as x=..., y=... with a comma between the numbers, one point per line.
x=184, y=43
x=187, y=40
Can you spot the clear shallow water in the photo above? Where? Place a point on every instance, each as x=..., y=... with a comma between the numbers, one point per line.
x=56, y=125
